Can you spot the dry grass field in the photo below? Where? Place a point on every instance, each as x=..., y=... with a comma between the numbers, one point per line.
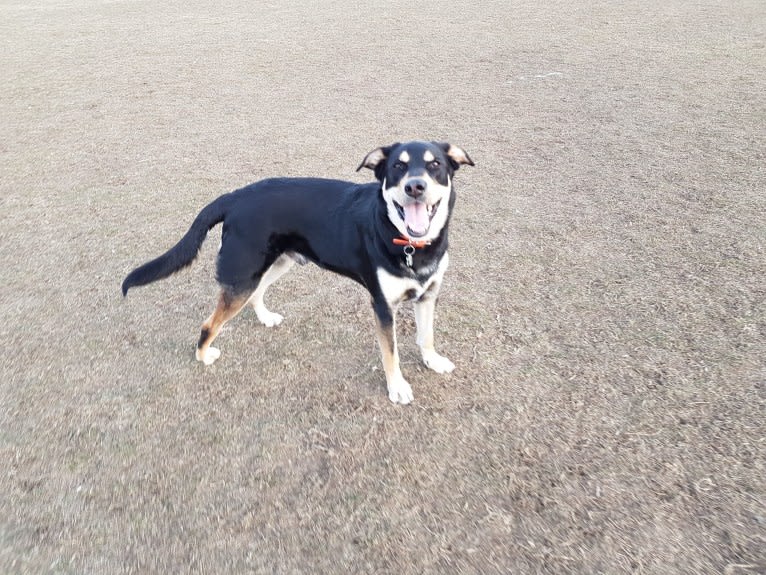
x=605, y=305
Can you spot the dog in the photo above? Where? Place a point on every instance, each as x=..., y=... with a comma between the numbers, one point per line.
x=389, y=235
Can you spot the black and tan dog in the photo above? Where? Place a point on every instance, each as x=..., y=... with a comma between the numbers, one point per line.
x=390, y=236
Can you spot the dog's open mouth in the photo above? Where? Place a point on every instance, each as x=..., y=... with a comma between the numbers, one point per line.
x=417, y=217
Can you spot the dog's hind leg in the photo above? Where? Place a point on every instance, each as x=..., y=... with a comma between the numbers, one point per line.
x=229, y=305
x=279, y=268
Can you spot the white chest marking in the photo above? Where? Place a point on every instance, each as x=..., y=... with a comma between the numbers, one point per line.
x=395, y=288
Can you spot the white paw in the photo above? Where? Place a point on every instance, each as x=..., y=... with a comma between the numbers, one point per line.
x=268, y=318
x=399, y=391
x=210, y=355
x=438, y=363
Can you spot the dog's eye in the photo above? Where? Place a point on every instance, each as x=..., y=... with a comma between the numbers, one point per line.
x=434, y=164
x=400, y=166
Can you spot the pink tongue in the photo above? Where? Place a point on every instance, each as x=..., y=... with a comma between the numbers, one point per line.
x=416, y=217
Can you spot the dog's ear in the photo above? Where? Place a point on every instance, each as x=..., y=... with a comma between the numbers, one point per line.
x=375, y=160
x=457, y=156
x=372, y=159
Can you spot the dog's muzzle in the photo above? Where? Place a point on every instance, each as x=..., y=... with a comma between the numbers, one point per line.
x=417, y=216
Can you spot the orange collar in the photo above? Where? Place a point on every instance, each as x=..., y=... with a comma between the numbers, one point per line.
x=410, y=242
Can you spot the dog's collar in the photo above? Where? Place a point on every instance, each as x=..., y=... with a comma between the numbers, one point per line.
x=409, y=248
x=417, y=244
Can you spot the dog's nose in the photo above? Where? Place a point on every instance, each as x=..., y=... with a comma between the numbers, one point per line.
x=415, y=187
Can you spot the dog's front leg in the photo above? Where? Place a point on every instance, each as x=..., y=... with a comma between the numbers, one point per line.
x=424, y=319
x=399, y=391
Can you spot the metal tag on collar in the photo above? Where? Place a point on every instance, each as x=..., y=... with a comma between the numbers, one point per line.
x=408, y=250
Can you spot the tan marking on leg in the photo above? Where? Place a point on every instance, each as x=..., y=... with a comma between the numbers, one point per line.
x=387, y=344
x=399, y=391
x=228, y=306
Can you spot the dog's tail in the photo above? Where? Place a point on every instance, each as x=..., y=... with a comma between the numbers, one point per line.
x=185, y=251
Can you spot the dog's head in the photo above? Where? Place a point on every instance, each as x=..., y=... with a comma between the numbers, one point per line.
x=416, y=181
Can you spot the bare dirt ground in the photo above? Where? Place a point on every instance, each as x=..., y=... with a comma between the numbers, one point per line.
x=605, y=304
